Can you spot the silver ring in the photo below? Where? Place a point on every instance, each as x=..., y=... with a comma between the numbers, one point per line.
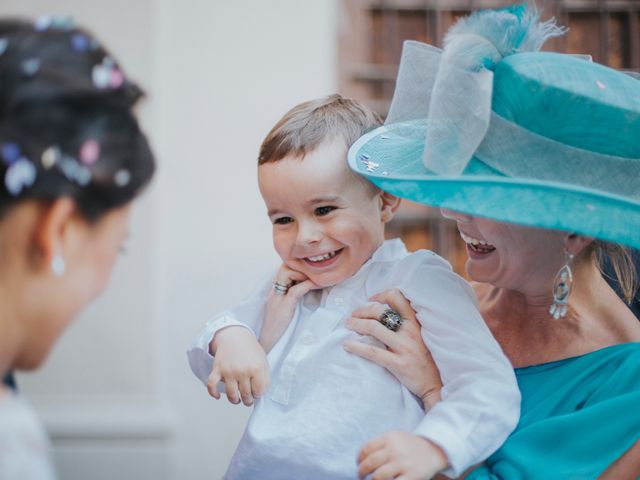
x=280, y=288
x=391, y=319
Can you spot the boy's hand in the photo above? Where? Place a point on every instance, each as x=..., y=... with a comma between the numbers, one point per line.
x=281, y=306
x=240, y=363
x=400, y=455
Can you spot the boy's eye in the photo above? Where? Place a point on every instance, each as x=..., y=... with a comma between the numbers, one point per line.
x=283, y=220
x=320, y=211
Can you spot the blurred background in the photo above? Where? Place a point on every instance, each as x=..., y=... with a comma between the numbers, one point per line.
x=117, y=395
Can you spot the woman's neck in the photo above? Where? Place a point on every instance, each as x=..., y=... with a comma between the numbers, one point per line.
x=529, y=335
x=9, y=331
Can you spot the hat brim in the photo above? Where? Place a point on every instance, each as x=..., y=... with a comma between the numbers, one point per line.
x=391, y=158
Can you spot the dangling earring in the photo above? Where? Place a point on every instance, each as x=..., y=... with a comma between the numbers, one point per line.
x=562, y=288
x=57, y=265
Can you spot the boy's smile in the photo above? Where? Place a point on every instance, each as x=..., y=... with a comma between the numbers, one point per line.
x=326, y=221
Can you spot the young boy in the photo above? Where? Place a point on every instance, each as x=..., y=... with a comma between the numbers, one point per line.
x=323, y=403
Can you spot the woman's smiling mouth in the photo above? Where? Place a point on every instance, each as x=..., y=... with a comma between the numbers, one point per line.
x=477, y=246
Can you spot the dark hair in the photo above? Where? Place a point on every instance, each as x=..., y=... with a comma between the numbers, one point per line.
x=307, y=125
x=66, y=123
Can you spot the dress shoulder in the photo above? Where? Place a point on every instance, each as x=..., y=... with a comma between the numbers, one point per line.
x=24, y=448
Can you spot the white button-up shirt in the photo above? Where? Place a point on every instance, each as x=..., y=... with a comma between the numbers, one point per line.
x=324, y=403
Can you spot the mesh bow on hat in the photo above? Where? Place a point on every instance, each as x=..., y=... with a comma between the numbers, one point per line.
x=492, y=127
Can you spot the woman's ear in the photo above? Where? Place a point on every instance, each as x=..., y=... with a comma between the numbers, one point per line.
x=388, y=206
x=52, y=232
x=575, y=243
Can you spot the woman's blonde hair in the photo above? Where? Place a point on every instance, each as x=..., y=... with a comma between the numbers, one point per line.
x=622, y=263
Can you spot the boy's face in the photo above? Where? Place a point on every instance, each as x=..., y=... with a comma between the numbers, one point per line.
x=326, y=223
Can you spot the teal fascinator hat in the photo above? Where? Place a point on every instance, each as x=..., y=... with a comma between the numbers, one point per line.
x=492, y=127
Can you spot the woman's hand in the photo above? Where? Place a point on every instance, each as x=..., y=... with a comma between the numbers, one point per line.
x=281, y=307
x=406, y=355
x=400, y=455
x=240, y=363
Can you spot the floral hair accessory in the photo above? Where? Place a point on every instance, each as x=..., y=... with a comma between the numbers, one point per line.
x=89, y=152
x=122, y=177
x=50, y=157
x=20, y=174
x=4, y=44
x=31, y=66
x=107, y=74
x=10, y=152
x=45, y=22
x=80, y=42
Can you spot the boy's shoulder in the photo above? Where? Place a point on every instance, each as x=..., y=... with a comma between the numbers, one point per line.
x=403, y=267
x=419, y=274
x=422, y=259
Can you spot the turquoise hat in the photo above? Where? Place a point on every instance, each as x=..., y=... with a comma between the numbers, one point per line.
x=492, y=127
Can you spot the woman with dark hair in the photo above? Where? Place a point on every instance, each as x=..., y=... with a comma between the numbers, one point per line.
x=72, y=159
x=535, y=155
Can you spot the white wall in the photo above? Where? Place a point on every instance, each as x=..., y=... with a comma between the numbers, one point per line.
x=117, y=395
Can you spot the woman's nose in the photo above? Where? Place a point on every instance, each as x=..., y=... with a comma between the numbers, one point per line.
x=457, y=216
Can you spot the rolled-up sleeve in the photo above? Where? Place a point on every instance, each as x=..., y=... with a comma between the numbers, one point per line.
x=248, y=314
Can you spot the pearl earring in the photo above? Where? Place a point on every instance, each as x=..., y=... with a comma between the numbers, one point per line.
x=57, y=265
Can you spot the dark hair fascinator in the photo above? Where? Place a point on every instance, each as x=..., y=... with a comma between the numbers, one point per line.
x=66, y=121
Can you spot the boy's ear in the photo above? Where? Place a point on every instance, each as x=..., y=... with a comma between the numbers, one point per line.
x=388, y=205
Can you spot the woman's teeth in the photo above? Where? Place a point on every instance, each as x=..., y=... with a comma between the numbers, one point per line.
x=477, y=245
x=322, y=258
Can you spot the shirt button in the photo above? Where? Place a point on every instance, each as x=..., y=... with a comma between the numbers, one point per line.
x=338, y=301
x=309, y=340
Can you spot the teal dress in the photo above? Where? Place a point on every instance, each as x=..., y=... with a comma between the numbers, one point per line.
x=578, y=416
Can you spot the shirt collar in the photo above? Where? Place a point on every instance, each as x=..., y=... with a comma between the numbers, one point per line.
x=389, y=251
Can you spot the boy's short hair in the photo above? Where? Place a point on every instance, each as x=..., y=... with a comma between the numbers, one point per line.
x=307, y=125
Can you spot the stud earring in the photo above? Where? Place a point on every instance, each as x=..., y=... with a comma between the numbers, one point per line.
x=57, y=265
x=562, y=288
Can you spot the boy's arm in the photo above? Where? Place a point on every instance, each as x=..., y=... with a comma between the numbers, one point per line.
x=241, y=364
x=480, y=399
x=248, y=314
x=200, y=352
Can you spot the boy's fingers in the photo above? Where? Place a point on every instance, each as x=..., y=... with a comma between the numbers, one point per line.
x=212, y=384
x=387, y=471
x=260, y=383
x=373, y=462
x=296, y=276
x=375, y=354
x=299, y=290
x=287, y=276
x=370, y=447
x=245, y=391
x=231, y=387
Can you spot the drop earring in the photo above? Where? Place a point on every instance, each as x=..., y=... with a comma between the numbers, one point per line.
x=57, y=265
x=562, y=288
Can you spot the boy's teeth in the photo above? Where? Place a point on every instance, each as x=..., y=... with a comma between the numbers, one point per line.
x=472, y=241
x=321, y=258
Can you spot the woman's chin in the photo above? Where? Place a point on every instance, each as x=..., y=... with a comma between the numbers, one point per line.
x=479, y=272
